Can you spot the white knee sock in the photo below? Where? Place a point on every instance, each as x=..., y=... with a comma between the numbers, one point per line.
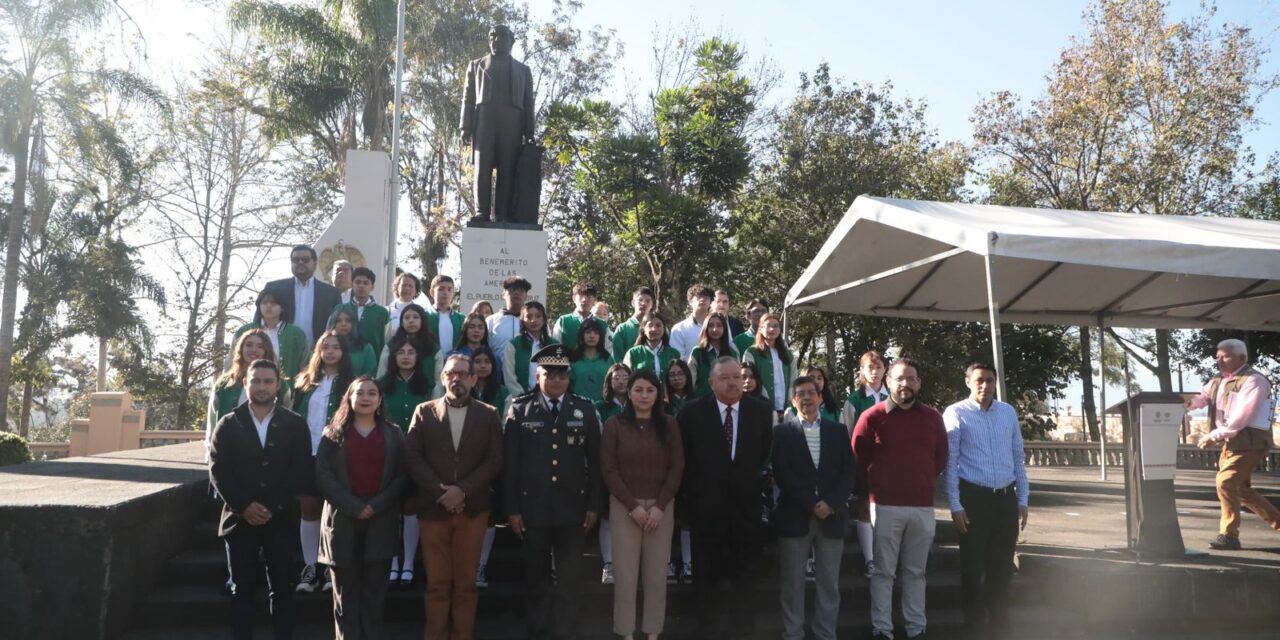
x=606, y=542
x=487, y=546
x=309, y=532
x=864, y=540
x=686, y=547
x=410, y=541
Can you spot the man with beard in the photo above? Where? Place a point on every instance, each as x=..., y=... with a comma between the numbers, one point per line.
x=900, y=446
x=307, y=302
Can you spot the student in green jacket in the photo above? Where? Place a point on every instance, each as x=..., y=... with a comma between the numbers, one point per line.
x=627, y=333
x=773, y=360
x=489, y=390
x=755, y=311
x=448, y=333
x=517, y=372
x=565, y=328
x=228, y=391
x=317, y=395
x=713, y=343
x=677, y=383
x=653, y=349
x=403, y=389
x=589, y=361
x=364, y=362
x=288, y=340
x=413, y=325
x=613, y=395
x=371, y=318
x=868, y=390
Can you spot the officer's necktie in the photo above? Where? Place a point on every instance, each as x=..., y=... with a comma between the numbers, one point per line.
x=728, y=429
x=555, y=409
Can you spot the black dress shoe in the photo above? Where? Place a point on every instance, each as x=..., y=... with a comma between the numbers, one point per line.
x=1225, y=543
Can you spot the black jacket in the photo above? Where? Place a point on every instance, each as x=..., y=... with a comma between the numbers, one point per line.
x=551, y=470
x=244, y=471
x=721, y=493
x=326, y=298
x=801, y=485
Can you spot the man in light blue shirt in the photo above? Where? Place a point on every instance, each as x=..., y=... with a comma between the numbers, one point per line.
x=986, y=482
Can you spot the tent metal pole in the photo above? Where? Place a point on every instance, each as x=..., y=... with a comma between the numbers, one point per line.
x=993, y=307
x=1102, y=411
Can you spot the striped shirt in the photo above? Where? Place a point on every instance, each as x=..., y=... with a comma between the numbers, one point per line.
x=985, y=448
x=813, y=437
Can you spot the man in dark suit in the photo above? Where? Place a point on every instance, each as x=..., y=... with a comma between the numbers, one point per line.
x=497, y=116
x=307, y=302
x=727, y=439
x=721, y=305
x=813, y=468
x=259, y=461
x=454, y=453
x=553, y=491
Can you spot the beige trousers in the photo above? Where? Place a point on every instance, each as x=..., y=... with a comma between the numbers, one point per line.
x=639, y=555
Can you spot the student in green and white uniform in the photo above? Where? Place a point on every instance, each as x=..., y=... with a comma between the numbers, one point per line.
x=867, y=392
x=565, y=328
x=589, y=362
x=830, y=407
x=755, y=311
x=403, y=389
x=713, y=343
x=678, y=385
x=228, y=392
x=774, y=362
x=448, y=334
x=316, y=397
x=614, y=394
x=475, y=335
x=652, y=349
x=489, y=390
x=518, y=371
x=343, y=322
x=413, y=325
x=288, y=341
x=371, y=318
x=627, y=333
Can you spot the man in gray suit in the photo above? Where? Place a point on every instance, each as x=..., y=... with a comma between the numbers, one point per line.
x=497, y=116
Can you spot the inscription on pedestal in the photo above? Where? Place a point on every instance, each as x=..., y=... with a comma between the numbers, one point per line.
x=491, y=255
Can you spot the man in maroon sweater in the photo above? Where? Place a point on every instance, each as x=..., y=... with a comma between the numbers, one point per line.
x=900, y=449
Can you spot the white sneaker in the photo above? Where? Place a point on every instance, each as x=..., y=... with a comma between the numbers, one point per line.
x=307, y=580
x=687, y=573
x=606, y=574
x=328, y=580
x=671, y=573
x=482, y=580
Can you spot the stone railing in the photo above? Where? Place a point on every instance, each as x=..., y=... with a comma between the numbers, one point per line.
x=1087, y=454
x=49, y=450
x=161, y=438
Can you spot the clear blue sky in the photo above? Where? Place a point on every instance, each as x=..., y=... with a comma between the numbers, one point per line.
x=948, y=53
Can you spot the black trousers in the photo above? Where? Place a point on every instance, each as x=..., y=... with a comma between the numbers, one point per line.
x=248, y=548
x=986, y=553
x=724, y=563
x=551, y=607
x=360, y=592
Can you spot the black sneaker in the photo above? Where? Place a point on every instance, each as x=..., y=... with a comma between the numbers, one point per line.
x=1225, y=543
x=308, y=581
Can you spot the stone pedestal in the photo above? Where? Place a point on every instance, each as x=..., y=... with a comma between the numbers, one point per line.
x=491, y=254
x=113, y=425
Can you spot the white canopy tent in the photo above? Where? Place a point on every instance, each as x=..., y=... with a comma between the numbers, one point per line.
x=965, y=262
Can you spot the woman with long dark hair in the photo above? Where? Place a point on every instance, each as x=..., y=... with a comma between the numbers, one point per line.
x=475, y=334
x=413, y=325
x=677, y=386
x=774, y=363
x=317, y=398
x=360, y=473
x=642, y=461
x=653, y=348
x=713, y=343
x=613, y=395
x=518, y=372
x=287, y=340
x=751, y=381
x=489, y=390
x=403, y=390
x=345, y=323
x=589, y=361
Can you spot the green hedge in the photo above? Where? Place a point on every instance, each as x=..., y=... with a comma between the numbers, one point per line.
x=13, y=449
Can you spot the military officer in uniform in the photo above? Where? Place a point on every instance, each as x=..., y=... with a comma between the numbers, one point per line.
x=553, y=490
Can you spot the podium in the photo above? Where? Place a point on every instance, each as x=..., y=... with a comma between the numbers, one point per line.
x=1152, y=425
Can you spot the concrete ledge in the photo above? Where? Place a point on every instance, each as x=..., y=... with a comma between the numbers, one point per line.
x=82, y=539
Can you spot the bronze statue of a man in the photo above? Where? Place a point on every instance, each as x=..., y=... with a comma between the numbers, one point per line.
x=497, y=116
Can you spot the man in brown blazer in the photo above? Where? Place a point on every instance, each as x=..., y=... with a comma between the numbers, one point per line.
x=454, y=452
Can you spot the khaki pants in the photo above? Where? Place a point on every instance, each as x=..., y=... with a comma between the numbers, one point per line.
x=1235, y=473
x=639, y=555
x=451, y=555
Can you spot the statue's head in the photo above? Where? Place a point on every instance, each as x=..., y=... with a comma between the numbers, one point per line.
x=501, y=39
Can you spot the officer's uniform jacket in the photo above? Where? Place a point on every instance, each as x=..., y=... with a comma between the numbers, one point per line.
x=552, y=469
